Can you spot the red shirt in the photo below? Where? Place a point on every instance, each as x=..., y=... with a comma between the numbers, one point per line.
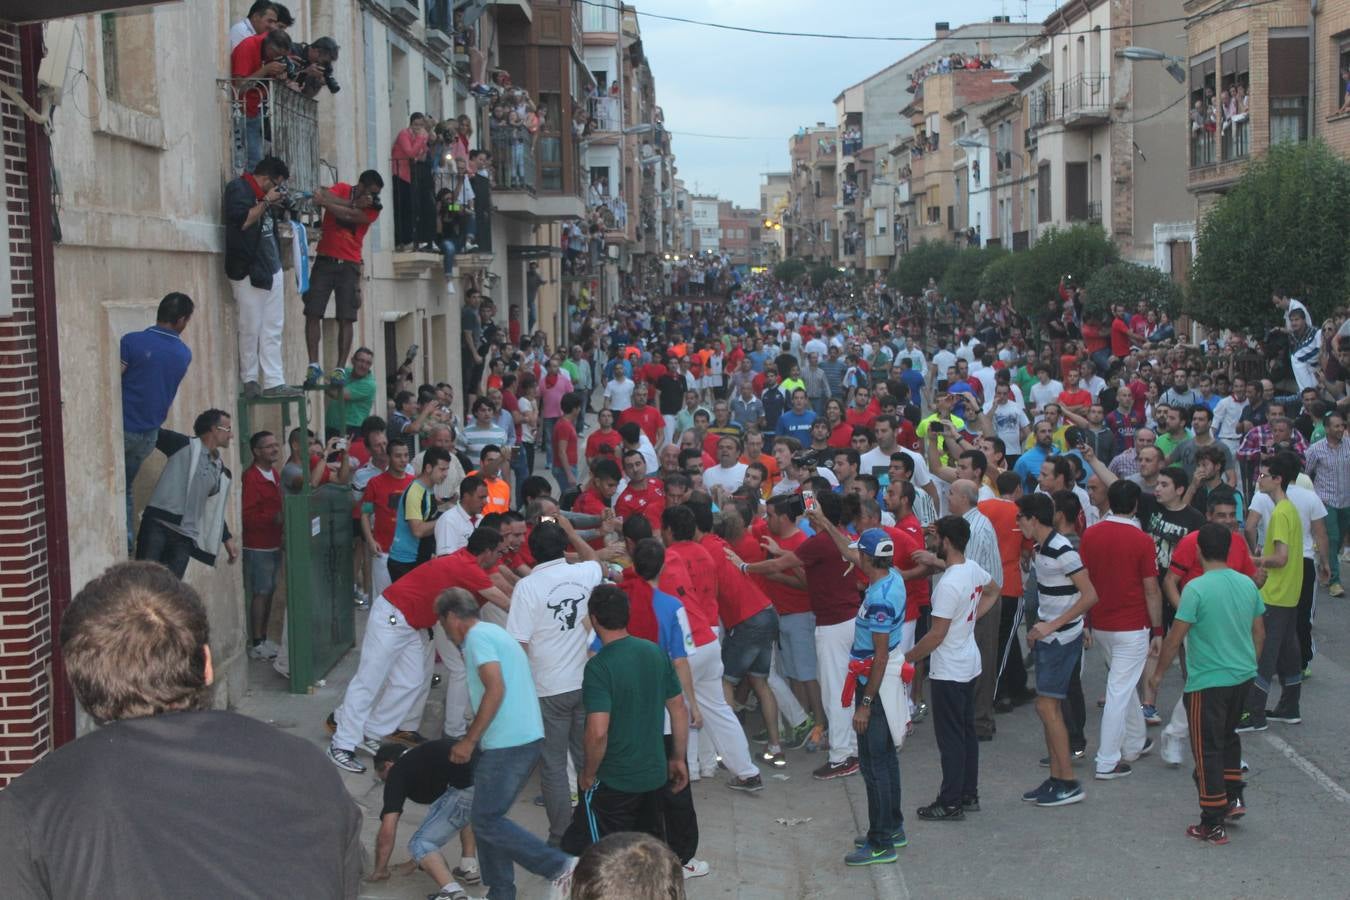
x=565, y=441
x=358, y=451
x=648, y=418
x=641, y=616
x=918, y=590
x=1079, y=397
x=603, y=443
x=650, y=373
x=1002, y=514
x=592, y=504
x=415, y=594
x=834, y=595
x=1118, y=556
x=1120, y=339
x=687, y=575
x=841, y=437
x=246, y=59
x=1186, y=558
x=1094, y=337
x=649, y=502
x=262, y=504
x=863, y=417
x=343, y=241
x=383, y=493
x=1065, y=361
x=738, y=596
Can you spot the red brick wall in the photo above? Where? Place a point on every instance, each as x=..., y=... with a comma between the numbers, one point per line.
x=25, y=606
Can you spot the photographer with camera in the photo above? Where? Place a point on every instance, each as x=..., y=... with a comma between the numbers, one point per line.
x=255, y=60
x=309, y=67
x=348, y=212
x=253, y=203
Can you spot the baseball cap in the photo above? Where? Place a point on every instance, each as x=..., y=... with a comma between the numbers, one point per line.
x=874, y=543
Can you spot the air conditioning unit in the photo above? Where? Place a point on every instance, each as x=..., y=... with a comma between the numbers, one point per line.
x=59, y=36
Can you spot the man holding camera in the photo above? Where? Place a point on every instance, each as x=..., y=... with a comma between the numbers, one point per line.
x=253, y=265
x=348, y=212
x=310, y=66
x=254, y=60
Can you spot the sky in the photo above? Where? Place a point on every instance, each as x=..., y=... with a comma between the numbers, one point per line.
x=715, y=82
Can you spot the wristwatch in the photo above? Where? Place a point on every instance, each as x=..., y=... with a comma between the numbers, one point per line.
x=867, y=701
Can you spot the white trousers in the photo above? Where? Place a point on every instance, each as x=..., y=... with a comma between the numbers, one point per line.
x=457, y=711
x=392, y=669
x=1123, y=729
x=721, y=728
x=833, y=643
x=670, y=428
x=789, y=710
x=906, y=645
x=379, y=573
x=262, y=315
x=1175, y=739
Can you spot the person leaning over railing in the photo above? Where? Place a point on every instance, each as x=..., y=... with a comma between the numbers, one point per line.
x=257, y=58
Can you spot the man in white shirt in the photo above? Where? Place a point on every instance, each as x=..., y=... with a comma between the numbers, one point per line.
x=1287, y=305
x=456, y=524
x=964, y=595
x=548, y=617
x=261, y=18
x=1228, y=413
x=878, y=460
x=1045, y=390
x=729, y=473
x=943, y=360
x=619, y=391
x=1009, y=417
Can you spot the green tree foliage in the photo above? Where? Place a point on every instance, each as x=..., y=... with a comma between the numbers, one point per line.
x=1284, y=223
x=821, y=273
x=961, y=279
x=1077, y=252
x=789, y=270
x=999, y=278
x=927, y=259
x=1127, y=283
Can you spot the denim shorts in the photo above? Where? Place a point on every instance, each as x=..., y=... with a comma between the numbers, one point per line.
x=260, y=570
x=749, y=646
x=1054, y=666
x=447, y=815
x=797, y=645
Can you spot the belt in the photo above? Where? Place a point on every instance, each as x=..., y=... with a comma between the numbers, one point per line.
x=340, y=262
x=1069, y=625
x=862, y=668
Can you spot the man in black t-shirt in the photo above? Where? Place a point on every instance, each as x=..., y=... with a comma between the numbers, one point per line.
x=425, y=774
x=481, y=182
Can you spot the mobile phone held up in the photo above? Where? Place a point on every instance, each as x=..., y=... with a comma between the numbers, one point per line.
x=809, y=498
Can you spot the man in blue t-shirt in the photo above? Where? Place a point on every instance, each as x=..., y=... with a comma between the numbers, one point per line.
x=154, y=362
x=796, y=422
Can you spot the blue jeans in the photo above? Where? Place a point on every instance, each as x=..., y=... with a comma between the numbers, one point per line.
x=136, y=449
x=548, y=440
x=880, y=767
x=448, y=257
x=498, y=778
x=253, y=142
x=444, y=819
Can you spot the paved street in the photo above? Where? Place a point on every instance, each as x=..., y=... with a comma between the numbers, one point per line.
x=1125, y=840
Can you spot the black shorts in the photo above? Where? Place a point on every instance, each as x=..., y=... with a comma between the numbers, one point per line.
x=923, y=623
x=336, y=277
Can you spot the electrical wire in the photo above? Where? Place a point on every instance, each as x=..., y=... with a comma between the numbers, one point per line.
x=928, y=38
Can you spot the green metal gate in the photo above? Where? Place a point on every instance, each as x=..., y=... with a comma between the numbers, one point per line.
x=317, y=539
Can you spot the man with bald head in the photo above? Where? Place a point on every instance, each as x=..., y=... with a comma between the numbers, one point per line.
x=1126, y=462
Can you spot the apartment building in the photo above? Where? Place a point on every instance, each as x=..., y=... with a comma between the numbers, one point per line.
x=809, y=222
x=773, y=199
x=740, y=231
x=705, y=216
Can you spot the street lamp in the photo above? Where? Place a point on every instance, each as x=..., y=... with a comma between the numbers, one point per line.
x=1148, y=54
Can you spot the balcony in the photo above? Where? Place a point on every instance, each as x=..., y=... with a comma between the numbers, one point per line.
x=1094, y=212
x=440, y=26
x=528, y=177
x=1202, y=148
x=606, y=114
x=1084, y=101
x=414, y=186
x=286, y=126
x=1236, y=138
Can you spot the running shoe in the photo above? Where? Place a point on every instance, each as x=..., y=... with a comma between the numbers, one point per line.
x=870, y=856
x=920, y=712
x=1151, y=716
x=1209, y=834
x=345, y=760
x=1284, y=716
x=1074, y=756
x=1145, y=750
x=816, y=740
x=313, y=375
x=1121, y=770
x=936, y=812
x=836, y=770
x=1249, y=723
x=449, y=893
x=797, y=737
x=1336, y=590
x=1044, y=789
x=774, y=756
x=1063, y=794
x=337, y=377
x=971, y=804
x=1237, y=808
x=898, y=839
x=370, y=745
x=468, y=876
x=750, y=785
x=695, y=868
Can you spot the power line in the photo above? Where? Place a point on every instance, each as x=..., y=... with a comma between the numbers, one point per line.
x=928, y=38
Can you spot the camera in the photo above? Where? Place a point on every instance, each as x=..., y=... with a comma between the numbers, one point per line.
x=329, y=81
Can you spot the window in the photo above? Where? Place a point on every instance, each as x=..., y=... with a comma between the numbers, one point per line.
x=1288, y=80
x=1232, y=104
x=1342, y=101
x=550, y=160
x=1043, y=185
x=1202, y=121
x=129, y=59
x=1076, y=192
x=934, y=215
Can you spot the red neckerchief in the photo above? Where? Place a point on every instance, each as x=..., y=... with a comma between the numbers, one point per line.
x=258, y=192
x=551, y=379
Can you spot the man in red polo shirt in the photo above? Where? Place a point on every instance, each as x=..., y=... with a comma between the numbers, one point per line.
x=262, y=538
x=348, y=212
x=647, y=417
x=379, y=512
x=258, y=57
x=643, y=496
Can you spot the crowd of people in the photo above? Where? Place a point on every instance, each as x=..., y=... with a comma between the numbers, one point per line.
x=952, y=62
x=705, y=536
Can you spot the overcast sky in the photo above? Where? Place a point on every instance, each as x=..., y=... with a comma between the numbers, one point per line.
x=712, y=81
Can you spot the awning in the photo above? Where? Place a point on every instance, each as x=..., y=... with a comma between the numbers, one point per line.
x=23, y=11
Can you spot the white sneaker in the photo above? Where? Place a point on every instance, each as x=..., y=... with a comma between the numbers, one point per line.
x=370, y=745
x=270, y=649
x=280, y=668
x=561, y=888
x=450, y=289
x=258, y=651
x=695, y=868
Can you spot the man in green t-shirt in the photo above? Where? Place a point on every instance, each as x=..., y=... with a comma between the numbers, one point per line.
x=359, y=394
x=627, y=688
x=1282, y=557
x=1220, y=618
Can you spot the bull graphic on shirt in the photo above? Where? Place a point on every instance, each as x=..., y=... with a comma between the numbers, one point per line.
x=565, y=612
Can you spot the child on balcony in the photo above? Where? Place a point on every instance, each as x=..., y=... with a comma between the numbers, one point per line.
x=518, y=136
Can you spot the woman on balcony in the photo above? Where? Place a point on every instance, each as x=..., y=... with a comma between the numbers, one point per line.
x=409, y=158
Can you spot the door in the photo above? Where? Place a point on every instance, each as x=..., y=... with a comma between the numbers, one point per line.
x=1076, y=192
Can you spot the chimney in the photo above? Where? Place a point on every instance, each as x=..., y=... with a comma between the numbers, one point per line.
x=1002, y=20
x=942, y=29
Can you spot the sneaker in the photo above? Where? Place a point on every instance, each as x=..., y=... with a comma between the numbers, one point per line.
x=898, y=840
x=798, y=736
x=450, y=289
x=761, y=737
x=750, y=785
x=313, y=375
x=1151, y=716
x=1074, y=756
x=774, y=758
x=1121, y=770
x=283, y=390
x=936, y=812
x=695, y=868
x=971, y=804
x=251, y=390
x=1144, y=750
x=331, y=722
x=470, y=247
x=1286, y=717
x=1306, y=673
x=1210, y=834
x=920, y=713
x=1062, y=794
x=709, y=771
x=816, y=740
x=1237, y=808
x=346, y=760
x=468, y=876
x=561, y=888
x=370, y=745
x=337, y=378
x=258, y=651
x=411, y=738
x=1336, y=590
x=1003, y=705
x=836, y=770
x=870, y=856
x=454, y=892
x=1045, y=789
x=539, y=800
x=1249, y=723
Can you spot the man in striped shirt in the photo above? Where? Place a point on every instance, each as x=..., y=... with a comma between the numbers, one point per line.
x=1329, y=468
x=1065, y=594
x=484, y=431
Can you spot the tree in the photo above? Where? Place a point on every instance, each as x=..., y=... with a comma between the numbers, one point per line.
x=999, y=278
x=927, y=259
x=1284, y=223
x=1127, y=283
x=789, y=270
x=1077, y=252
x=821, y=273
x=961, y=279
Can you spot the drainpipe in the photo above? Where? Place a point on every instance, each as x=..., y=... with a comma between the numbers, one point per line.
x=38, y=153
x=1313, y=10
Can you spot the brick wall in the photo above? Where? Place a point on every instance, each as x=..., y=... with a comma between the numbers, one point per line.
x=25, y=610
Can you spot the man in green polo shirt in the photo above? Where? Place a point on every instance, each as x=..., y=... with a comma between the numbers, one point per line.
x=359, y=394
